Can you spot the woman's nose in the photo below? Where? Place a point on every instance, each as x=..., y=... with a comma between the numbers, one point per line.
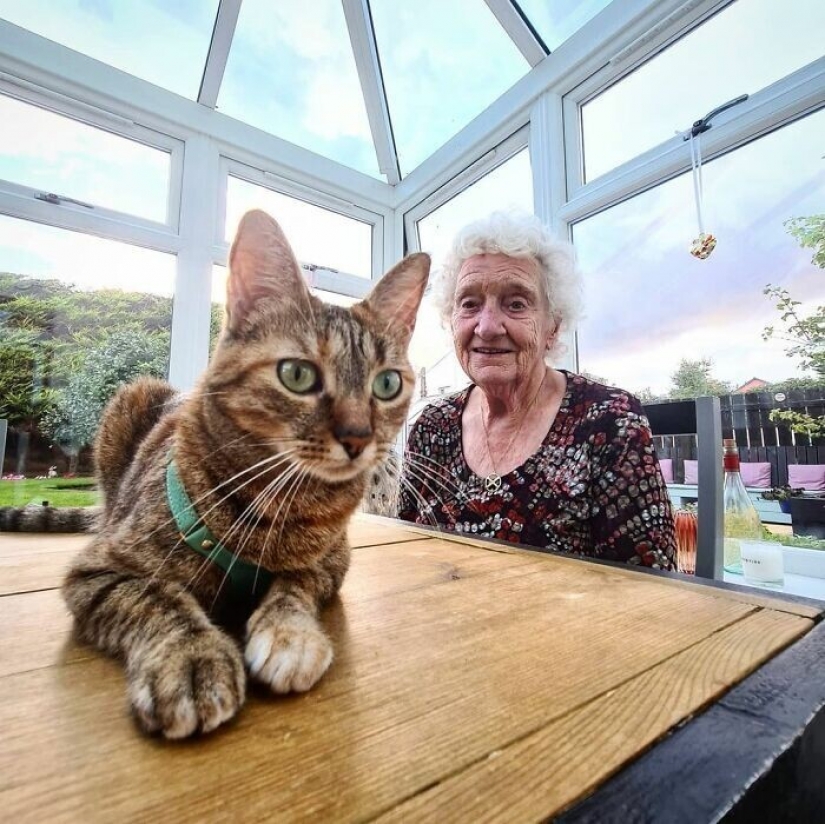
x=490, y=321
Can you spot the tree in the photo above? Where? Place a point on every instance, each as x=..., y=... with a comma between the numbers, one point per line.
x=806, y=335
x=810, y=233
x=692, y=379
x=73, y=421
x=47, y=330
x=25, y=395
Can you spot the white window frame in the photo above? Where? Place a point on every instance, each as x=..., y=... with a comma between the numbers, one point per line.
x=782, y=102
x=21, y=200
x=330, y=280
x=480, y=168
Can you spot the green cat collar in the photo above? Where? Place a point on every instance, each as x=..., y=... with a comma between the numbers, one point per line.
x=244, y=579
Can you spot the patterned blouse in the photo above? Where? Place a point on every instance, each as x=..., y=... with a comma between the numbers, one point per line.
x=593, y=487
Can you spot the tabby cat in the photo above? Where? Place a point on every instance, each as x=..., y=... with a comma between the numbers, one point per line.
x=229, y=507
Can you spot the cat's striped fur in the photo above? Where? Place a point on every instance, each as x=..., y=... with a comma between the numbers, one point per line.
x=45, y=518
x=274, y=474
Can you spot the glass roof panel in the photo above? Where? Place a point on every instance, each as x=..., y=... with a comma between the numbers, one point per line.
x=291, y=72
x=444, y=62
x=556, y=20
x=164, y=43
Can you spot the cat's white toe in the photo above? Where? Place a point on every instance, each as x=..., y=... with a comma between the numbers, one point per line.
x=289, y=657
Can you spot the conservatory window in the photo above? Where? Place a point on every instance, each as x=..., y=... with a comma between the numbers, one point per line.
x=73, y=327
x=649, y=304
x=745, y=47
x=443, y=62
x=509, y=185
x=54, y=154
x=319, y=237
x=556, y=21
x=291, y=72
x=164, y=43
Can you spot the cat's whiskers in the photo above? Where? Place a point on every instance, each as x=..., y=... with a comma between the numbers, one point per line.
x=434, y=473
x=286, y=484
x=271, y=462
x=424, y=508
x=423, y=480
x=286, y=501
x=267, y=494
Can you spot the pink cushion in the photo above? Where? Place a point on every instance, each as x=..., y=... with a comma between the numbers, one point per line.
x=806, y=476
x=666, y=465
x=756, y=474
x=691, y=472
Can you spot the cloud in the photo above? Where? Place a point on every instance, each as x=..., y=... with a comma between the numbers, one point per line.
x=45, y=151
x=291, y=72
x=151, y=40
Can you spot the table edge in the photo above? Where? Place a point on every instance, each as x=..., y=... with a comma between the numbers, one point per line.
x=806, y=607
x=755, y=754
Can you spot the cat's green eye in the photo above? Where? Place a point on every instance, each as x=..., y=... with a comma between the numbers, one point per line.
x=299, y=376
x=387, y=384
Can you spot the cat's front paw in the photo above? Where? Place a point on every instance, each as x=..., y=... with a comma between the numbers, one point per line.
x=289, y=656
x=188, y=685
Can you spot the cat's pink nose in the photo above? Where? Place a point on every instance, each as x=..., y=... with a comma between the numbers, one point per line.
x=353, y=440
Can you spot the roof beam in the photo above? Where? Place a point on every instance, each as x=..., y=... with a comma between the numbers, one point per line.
x=362, y=38
x=222, y=35
x=521, y=33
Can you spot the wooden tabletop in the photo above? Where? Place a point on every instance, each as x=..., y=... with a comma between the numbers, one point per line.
x=472, y=682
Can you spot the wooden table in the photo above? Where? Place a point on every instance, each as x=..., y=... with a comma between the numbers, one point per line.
x=472, y=682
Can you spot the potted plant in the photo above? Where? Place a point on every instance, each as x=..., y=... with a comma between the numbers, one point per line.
x=783, y=495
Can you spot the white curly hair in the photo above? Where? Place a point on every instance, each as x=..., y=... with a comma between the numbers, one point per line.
x=519, y=235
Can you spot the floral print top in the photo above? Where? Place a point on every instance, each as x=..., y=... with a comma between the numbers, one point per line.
x=593, y=487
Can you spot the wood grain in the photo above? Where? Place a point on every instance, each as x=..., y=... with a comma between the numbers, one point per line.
x=805, y=608
x=37, y=632
x=31, y=562
x=446, y=654
x=566, y=759
x=371, y=530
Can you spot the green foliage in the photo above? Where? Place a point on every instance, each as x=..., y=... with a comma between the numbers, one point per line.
x=781, y=493
x=117, y=359
x=58, y=494
x=810, y=234
x=692, y=379
x=64, y=351
x=806, y=335
x=789, y=384
x=803, y=541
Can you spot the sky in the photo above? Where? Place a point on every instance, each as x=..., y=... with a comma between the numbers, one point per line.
x=649, y=303
x=291, y=71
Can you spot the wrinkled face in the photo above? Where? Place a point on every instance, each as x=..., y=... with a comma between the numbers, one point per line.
x=325, y=387
x=500, y=323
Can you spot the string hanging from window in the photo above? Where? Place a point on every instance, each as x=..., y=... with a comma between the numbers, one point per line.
x=703, y=245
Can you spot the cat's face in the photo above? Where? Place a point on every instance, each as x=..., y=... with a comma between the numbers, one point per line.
x=326, y=386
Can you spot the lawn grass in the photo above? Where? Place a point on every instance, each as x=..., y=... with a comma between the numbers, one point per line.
x=57, y=491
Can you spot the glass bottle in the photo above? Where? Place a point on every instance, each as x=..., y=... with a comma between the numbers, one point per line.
x=741, y=518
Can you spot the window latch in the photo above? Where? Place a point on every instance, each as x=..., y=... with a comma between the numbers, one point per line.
x=703, y=124
x=59, y=200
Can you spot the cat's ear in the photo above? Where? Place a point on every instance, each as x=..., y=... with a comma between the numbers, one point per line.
x=397, y=296
x=261, y=264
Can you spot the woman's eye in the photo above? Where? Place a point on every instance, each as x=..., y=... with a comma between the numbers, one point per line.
x=299, y=376
x=387, y=384
x=518, y=305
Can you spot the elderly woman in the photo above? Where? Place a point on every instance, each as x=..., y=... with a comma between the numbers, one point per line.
x=528, y=453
